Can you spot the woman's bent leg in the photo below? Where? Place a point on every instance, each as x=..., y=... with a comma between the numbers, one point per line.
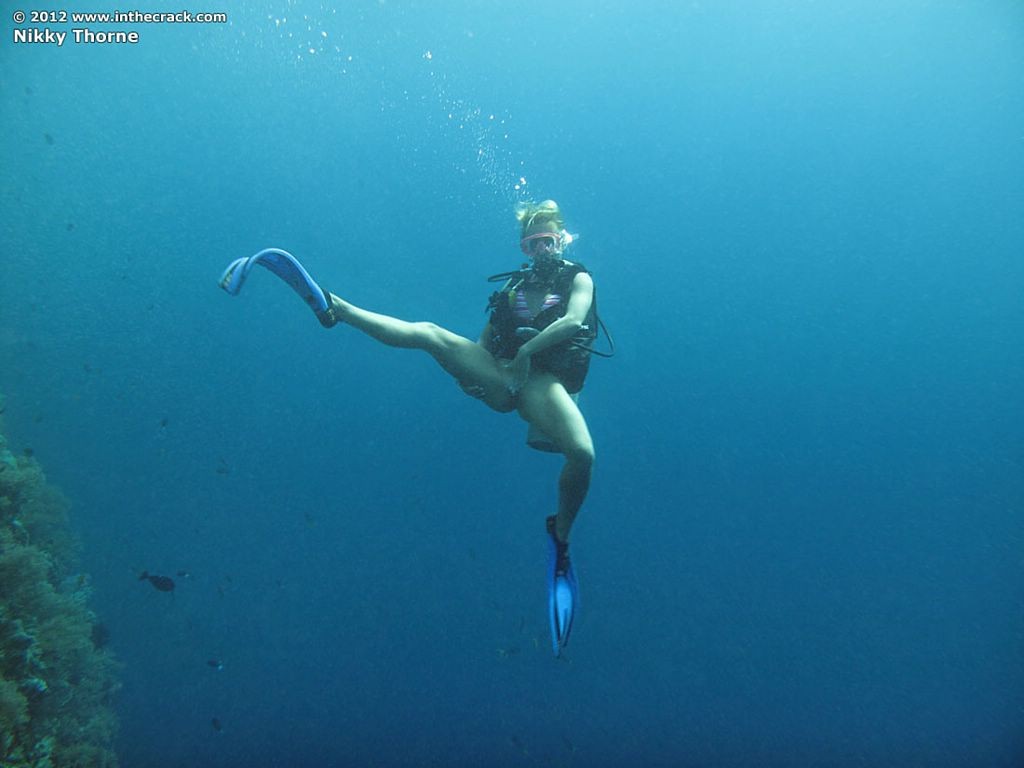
x=544, y=403
x=467, y=361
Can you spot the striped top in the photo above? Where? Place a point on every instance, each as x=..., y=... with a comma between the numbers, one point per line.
x=521, y=309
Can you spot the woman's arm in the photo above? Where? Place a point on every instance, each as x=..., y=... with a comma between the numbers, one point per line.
x=567, y=326
x=486, y=335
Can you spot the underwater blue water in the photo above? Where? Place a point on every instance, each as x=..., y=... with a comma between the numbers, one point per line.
x=803, y=543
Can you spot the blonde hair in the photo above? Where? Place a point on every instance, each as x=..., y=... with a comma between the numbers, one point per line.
x=530, y=213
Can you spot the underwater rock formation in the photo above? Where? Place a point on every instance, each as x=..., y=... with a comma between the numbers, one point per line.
x=57, y=682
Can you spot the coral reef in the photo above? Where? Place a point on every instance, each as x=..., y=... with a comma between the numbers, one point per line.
x=57, y=682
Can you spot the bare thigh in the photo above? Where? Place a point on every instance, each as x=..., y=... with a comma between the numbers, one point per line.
x=544, y=403
x=470, y=364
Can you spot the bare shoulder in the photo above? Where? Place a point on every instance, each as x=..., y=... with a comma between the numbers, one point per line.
x=581, y=295
x=582, y=282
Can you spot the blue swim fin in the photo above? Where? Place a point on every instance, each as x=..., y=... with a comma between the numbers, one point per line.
x=286, y=267
x=563, y=590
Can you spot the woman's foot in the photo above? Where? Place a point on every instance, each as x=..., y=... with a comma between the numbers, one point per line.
x=331, y=316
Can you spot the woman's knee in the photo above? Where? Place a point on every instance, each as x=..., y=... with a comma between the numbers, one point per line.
x=580, y=453
x=432, y=337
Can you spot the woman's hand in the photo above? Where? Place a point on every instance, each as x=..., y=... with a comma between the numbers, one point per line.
x=519, y=372
x=473, y=390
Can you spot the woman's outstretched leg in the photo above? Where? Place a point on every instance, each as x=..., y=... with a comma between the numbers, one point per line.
x=467, y=361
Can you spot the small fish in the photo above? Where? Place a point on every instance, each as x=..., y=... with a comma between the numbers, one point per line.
x=71, y=226
x=49, y=139
x=160, y=583
x=163, y=423
x=216, y=664
x=222, y=468
x=185, y=574
x=215, y=722
x=29, y=453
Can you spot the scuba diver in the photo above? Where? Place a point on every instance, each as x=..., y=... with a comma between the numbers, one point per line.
x=532, y=357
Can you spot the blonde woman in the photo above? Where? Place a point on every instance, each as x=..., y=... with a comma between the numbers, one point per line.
x=532, y=357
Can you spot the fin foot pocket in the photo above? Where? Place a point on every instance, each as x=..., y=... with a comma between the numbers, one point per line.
x=327, y=317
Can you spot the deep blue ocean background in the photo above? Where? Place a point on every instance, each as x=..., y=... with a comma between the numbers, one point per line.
x=804, y=543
